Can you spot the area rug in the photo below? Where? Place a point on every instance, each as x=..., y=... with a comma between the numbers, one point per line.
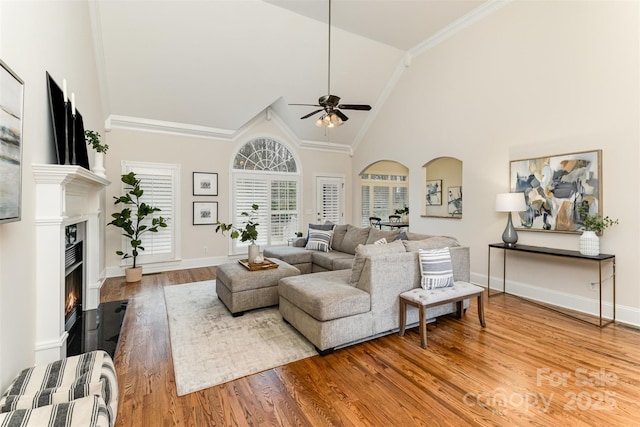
x=211, y=347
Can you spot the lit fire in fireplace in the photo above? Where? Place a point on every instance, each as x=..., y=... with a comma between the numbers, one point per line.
x=71, y=303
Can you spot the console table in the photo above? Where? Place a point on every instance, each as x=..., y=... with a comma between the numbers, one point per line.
x=558, y=253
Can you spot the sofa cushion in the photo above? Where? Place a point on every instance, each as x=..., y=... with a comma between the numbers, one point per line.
x=289, y=254
x=319, y=240
x=323, y=296
x=417, y=236
x=435, y=242
x=375, y=235
x=355, y=236
x=435, y=267
x=327, y=260
x=365, y=251
x=338, y=236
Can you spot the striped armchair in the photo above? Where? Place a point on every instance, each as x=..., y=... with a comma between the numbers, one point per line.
x=79, y=390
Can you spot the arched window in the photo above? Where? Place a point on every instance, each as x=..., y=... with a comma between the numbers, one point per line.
x=265, y=173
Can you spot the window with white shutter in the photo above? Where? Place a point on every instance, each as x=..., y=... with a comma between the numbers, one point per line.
x=265, y=173
x=382, y=194
x=160, y=184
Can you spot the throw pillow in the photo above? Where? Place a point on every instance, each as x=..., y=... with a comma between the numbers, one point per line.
x=435, y=268
x=401, y=236
x=382, y=241
x=319, y=240
x=366, y=251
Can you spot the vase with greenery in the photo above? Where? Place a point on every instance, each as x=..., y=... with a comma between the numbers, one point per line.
x=247, y=232
x=592, y=226
x=92, y=138
x=404, y=212
x=131, y=220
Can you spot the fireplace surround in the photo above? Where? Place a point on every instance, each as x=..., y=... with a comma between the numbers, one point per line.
x=65, y=196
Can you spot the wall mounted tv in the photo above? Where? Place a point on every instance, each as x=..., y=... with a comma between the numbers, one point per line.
x=68, y=128
x=11, y=113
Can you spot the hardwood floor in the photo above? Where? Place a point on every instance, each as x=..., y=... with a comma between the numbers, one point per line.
x=530, y=366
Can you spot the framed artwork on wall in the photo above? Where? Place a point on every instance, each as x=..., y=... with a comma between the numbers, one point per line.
x=556, y=190
x=454, y=204
x=205, y=213
x=434, y=192
x=11, y=125
x=205, y=184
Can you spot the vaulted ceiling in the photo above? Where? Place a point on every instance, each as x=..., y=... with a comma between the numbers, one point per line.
x=217, y=64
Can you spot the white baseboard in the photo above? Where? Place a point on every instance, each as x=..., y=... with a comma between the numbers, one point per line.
x=624, y=314
x=183, y=264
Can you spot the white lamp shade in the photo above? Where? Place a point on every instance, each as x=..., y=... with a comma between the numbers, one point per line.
x=510, y=202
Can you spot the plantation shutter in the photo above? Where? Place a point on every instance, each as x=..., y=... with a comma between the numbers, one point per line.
x=381, y=202
x=366, y=205
x=249, y=191
x=284, y=210
x=331, y=202
x=400, y=198
x=158, y=183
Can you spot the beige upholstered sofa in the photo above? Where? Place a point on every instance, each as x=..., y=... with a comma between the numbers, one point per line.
x=346, y=239
x=336, y=308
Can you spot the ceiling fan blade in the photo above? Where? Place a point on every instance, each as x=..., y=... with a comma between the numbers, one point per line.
x=361, y=107
x=310, y=114
x=341, y=115
x=307, y=105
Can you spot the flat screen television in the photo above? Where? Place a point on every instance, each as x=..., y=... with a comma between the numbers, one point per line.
x=68, y=129
x=11, y=113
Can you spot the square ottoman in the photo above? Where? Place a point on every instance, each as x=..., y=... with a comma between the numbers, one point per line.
x=240, y=289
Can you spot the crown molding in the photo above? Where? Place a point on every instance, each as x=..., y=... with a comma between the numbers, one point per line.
x=173, y=128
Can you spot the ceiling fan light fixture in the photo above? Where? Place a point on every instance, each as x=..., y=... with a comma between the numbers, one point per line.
x=320, y=121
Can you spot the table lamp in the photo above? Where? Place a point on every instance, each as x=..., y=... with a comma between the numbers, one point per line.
x=510, y=202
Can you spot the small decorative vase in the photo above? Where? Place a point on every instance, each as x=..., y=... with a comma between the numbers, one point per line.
x=254, y=252
x=589, y=243
x=404, y=218
x=98, y=165
x=133, y=274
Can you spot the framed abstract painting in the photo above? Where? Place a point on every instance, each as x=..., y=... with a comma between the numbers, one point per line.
x=559, y=190
x=11, y=125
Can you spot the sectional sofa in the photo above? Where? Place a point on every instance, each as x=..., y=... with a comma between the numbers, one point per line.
x=350, y=297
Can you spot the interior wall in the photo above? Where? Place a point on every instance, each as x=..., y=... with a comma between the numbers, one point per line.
x=531, y=79
x=35, y=37
x=199, y=244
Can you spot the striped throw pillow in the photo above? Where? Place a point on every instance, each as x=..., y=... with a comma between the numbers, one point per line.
x=319, y=240
x=435, y=268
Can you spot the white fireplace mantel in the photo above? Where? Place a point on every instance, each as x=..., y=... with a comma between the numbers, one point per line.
x=65, y=195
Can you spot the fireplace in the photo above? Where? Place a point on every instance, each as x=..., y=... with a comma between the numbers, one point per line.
x=70, y=204
x=73, y=282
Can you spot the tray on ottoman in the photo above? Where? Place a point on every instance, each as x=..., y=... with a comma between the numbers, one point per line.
x=265, y=265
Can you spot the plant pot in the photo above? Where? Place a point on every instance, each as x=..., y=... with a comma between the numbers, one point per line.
x=98, y=165
x=133, y=274
x=589, y=243
x=254, y=251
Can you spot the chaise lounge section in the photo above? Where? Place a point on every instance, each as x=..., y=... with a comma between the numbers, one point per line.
x=337, y=308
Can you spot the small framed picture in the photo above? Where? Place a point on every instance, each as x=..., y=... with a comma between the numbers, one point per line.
x=205, y=213
x=434, y=192
x=205, y=184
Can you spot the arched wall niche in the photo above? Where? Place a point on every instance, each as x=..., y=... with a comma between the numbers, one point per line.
x=442, y=189
x=384, y=188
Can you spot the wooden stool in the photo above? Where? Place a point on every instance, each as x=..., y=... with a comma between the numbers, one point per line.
x=422, y=299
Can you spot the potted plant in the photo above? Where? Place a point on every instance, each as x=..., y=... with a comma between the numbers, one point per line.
x=92, y=138
x=130, y=219
x=592, y=225
x=247, y=232
x=404, y=212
